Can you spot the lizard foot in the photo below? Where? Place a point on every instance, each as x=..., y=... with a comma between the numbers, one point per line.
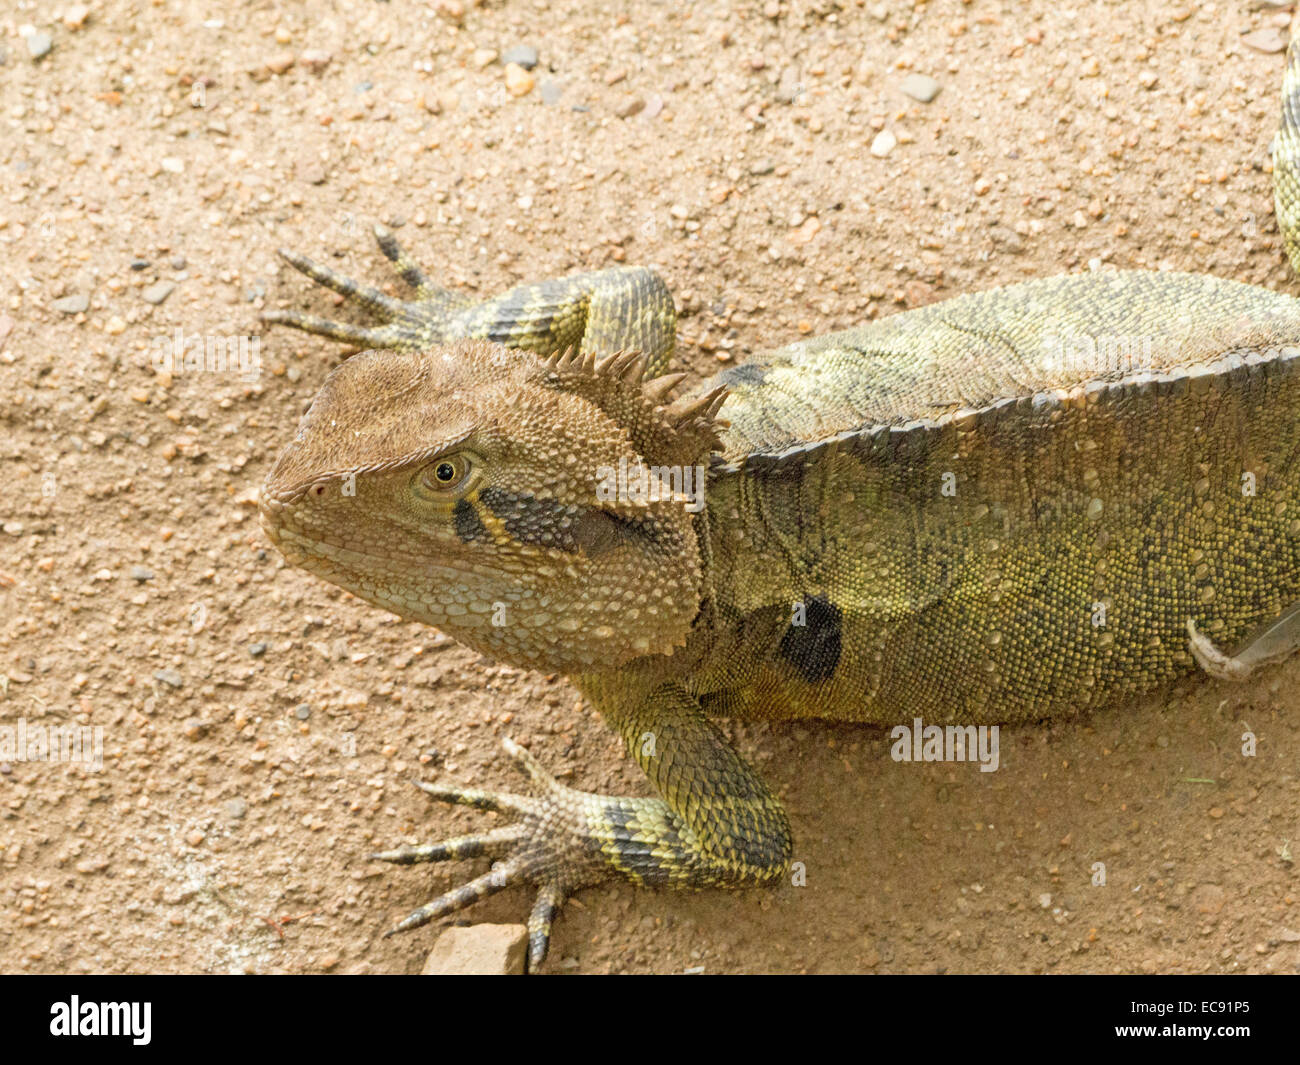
x=1271, y=642
x=406, y=324
x=548, y=844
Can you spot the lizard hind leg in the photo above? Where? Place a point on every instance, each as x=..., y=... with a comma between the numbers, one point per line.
x=1272, y=642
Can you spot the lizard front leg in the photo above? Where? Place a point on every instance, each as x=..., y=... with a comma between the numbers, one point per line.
x=600, y=313
x=716, y=823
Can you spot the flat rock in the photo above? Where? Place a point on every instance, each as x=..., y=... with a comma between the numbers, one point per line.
x=1268, y=40
x=525, y=55
x=921, y=87
x=170, y=677
x=77, y=303
x=157, y=292
x=479, y=950
x=38, y=44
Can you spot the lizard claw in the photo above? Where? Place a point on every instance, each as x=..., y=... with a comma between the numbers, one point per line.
x=404, y=324
x=548, y=844
x=1213, y=661
x=1274, y=641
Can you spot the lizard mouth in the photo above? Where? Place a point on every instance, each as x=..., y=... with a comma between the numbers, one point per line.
x=271, y=513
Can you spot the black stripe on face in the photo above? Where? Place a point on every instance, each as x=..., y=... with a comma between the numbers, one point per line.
x=469, y=527
x=814, y=647
x=566, y=527
x=530, y=520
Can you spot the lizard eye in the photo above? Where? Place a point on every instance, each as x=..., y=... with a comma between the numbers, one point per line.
x=446, y=474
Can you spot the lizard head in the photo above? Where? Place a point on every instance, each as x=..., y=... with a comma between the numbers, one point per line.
x=525, y=506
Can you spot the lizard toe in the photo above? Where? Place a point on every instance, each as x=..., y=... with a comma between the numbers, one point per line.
x=549, y=843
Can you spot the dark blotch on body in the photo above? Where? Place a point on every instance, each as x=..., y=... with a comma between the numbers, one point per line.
x=814, y=647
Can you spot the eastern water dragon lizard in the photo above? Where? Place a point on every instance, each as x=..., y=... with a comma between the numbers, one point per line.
x=926, y=515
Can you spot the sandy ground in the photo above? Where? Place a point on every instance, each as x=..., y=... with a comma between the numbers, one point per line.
x=261, y=730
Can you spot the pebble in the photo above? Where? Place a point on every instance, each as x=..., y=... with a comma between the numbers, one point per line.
x=141, y=573
x=302, y=711
x=235, y=809
x=789, y=87
x=883, y=143
x=551, y=91
x=315, y=59
x=478, y=950
x=170, y=677
x=173, y=164
x=139, y=264
x=633, y=106
x=38, y=44
x=75, y=17
x=257, y=650
x=805, y=232
x=77, y=303
x=524, y=55
x=921, y=87
x=280, y=63
x=452, y=10
x=179, y=262
x=312, y=173
x=1267, y=40
x=158, y=291
x=194, y=729
x=484, y=57
x=518, y=81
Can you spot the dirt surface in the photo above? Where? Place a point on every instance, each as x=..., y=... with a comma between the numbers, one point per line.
x=261, y=730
